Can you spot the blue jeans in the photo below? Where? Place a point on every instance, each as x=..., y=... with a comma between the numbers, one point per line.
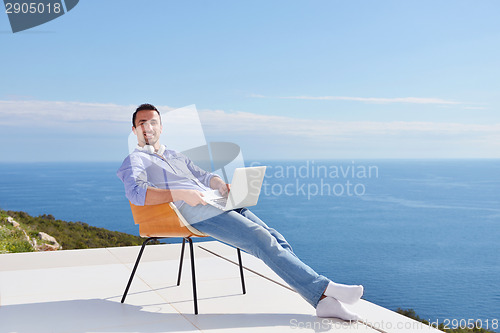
x=241, y=228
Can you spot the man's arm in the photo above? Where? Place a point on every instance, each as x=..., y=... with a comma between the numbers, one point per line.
x=207, y=178
x=156, y=196
x=140, y=192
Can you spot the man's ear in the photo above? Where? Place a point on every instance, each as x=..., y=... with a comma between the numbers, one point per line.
x=134, y=130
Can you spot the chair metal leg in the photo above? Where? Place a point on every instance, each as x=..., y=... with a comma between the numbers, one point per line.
x=195, y=296
x=193, y=274
x=180, y=262
x=241, y=272
x=135, y=267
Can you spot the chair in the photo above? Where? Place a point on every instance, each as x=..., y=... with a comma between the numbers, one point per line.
x=163, y=221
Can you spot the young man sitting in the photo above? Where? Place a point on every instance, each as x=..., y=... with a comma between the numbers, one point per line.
x=153, y=174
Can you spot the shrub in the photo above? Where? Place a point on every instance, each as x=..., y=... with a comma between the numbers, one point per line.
x=71, y=235
x=17, y=246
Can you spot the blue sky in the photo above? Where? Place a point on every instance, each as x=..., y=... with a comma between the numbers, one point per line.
x=283, y=79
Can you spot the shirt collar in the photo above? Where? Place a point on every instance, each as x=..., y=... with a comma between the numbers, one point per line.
x=160, y=151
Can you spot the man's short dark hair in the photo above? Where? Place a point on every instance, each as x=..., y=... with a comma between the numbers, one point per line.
x=144, y=107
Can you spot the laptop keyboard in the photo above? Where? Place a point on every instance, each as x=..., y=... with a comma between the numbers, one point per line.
x=220, y=201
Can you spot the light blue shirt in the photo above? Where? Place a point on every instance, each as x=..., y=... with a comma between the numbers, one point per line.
x=166, y=169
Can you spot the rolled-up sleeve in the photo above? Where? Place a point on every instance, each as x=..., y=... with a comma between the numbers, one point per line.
x=135, y=179
x=202, y=175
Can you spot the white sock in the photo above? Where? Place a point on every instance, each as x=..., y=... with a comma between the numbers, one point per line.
x=344, y=293
x=329, y=307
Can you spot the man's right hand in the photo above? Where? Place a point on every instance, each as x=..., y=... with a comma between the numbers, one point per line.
x=191, y=197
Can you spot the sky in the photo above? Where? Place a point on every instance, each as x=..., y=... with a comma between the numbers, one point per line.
x=282, y=79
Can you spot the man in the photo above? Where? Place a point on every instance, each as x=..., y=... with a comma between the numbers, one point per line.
x=153, y=175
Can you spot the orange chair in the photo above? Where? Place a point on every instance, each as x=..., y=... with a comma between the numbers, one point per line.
x=164, y=221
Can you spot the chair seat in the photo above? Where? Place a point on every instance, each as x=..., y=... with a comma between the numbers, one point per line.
x=162, y=229
x=162, y=221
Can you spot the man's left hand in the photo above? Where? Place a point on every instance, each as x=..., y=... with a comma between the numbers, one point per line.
x=218, y=184
x=224, y=189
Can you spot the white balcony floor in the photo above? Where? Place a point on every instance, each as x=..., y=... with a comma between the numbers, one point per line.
x=80, y=291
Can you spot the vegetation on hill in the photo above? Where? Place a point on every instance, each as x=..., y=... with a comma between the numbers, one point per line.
x=13, y=239
x=460, y=327
x=70, y=235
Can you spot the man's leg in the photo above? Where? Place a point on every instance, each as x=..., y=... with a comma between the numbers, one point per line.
x=279, y=237
x=341, y=292
x=256, y=238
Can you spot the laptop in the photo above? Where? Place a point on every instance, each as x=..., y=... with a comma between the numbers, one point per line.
x=245, y=190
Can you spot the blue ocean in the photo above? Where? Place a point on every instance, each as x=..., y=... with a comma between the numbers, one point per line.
x=420, y=234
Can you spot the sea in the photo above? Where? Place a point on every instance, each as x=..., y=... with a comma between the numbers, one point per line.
x=417, y=234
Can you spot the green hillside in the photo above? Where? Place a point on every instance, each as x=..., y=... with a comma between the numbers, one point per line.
x=69, y=235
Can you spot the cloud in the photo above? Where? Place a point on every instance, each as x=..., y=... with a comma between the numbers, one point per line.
x=61, y=112
x=220, y=121
x=257, y=96
x=53, y=113
x=277, y=136
x=272, y=137
x=378, y=100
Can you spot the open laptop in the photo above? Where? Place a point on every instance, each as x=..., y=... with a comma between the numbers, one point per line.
x=245, y=190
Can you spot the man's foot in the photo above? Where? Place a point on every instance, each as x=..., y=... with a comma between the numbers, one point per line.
x=344, y=293
x=331, y=308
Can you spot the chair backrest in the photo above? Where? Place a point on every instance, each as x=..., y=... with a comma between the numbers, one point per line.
x=162, y=220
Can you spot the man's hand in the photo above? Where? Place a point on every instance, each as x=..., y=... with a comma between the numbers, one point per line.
x=224, y=189
x=218, y=184
x=191, y=197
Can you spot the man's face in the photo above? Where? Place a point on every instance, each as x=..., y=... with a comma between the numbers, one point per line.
x=147, y=128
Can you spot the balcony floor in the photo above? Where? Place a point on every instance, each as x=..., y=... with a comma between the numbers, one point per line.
x=80, y=291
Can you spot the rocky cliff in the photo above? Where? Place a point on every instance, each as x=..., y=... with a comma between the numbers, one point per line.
x=14, y=238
